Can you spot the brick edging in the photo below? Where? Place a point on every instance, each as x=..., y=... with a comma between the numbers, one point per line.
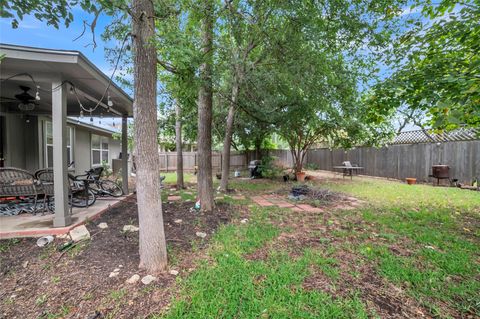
x=58, y=230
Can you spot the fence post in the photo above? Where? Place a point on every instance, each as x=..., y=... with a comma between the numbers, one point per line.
x=166, y=161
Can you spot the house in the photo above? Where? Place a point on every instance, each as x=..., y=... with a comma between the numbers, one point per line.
x=28, y=144
x=41, y=91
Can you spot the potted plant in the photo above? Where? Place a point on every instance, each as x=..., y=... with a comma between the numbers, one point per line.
x=300, y=176
x=411, y=180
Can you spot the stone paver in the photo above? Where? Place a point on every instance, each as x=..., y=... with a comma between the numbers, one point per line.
x=275, y=200
x=238, y=197
x=309, y=208
x=174, y=198
x=284, y=204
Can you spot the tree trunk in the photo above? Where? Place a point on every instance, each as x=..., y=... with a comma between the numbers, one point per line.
x=178, y=146
x=204, y=177
x=228, y=138
x=153, y=252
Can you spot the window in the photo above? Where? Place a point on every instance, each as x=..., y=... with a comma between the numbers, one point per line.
x=99, y=149
x=48, y=149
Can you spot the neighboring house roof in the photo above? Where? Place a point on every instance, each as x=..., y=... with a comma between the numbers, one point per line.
x=46, y=64
x=95, y=126
x=429, y=136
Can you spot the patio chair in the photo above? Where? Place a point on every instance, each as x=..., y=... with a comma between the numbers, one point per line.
x=19, y=184
x=45, y=177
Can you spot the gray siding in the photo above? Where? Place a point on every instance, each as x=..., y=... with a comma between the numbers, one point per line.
x=24, y=144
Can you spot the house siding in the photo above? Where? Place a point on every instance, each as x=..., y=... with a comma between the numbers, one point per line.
x=24, y=143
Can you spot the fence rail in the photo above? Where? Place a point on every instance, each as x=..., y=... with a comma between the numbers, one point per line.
x=168, y=161
x=400, y=161
x=397, y=161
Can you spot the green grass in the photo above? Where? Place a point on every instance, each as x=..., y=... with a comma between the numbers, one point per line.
x=233, y=286
x=171, y=177
x=435, y=228
x=394, y=194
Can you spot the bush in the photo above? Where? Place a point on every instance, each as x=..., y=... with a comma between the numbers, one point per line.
x=107, y=171
x=269, y=169
x=311, y=166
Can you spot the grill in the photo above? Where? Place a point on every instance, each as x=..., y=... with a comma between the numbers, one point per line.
x=254, y=167
x=440, y=172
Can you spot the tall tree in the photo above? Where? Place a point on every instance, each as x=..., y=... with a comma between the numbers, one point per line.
x=205, y=104
x=153, y=250
x=178, y=145
x=141, y=13
x=435, y=67
x=243, y=33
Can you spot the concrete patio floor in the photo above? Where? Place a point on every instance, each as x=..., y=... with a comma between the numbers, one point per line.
x=28, y=225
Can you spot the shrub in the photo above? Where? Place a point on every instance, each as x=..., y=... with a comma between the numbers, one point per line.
x=269, y=169
x=311, y=166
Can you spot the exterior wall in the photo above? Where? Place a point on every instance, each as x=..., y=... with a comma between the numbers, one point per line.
x=20, y=142
x=81, y=150
x=25, y=144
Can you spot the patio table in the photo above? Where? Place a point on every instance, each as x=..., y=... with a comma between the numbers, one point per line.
x=348, y=170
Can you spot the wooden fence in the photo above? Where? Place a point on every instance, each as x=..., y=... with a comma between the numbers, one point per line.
x=400, y=160
x=168, y=161
x=395, y=161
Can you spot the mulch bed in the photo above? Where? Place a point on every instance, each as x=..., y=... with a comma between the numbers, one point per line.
x=40, y=283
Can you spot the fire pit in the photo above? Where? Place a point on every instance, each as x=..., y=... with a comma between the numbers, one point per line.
x=440, y=172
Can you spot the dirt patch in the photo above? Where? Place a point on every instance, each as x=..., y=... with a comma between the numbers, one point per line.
x=38, y=283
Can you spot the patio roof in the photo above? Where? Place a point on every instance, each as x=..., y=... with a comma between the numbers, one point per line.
x=45, y=64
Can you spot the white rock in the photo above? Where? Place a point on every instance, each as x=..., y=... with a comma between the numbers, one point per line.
x=148, y=279
x=79, y=233
x=174, y=272
x=135, y=278
x=430, y=247
x=25, y=264
x=244, y=221
x=116, y=270
x=130, y=228
x=201, y=234
x=102, y=225
x=113, y=274
x=178, y=221
x=63, y=236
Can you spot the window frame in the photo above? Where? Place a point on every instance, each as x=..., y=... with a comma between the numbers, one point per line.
x=46, y=124
x=103, y=140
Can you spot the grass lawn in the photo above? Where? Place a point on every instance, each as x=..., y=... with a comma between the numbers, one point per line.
x=410, y=251
x=392, y=251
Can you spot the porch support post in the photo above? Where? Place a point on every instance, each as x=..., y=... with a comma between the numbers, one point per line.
x=125, y=155
x=60, y=173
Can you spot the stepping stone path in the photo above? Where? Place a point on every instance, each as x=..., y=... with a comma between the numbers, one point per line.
x=238, y=197
x=275, y=200
x=172, y=198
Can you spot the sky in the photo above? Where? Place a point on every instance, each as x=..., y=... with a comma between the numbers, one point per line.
x=32, y=32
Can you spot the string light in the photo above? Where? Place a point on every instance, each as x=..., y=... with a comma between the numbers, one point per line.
x=37, y=94
x=73, y=89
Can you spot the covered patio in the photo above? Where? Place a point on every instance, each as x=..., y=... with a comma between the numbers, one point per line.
x=62, y=84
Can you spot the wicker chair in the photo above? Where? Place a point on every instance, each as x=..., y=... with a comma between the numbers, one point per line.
x=45, y=177
x=19, y=183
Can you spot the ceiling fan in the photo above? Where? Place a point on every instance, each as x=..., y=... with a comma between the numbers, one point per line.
x=26, y=101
